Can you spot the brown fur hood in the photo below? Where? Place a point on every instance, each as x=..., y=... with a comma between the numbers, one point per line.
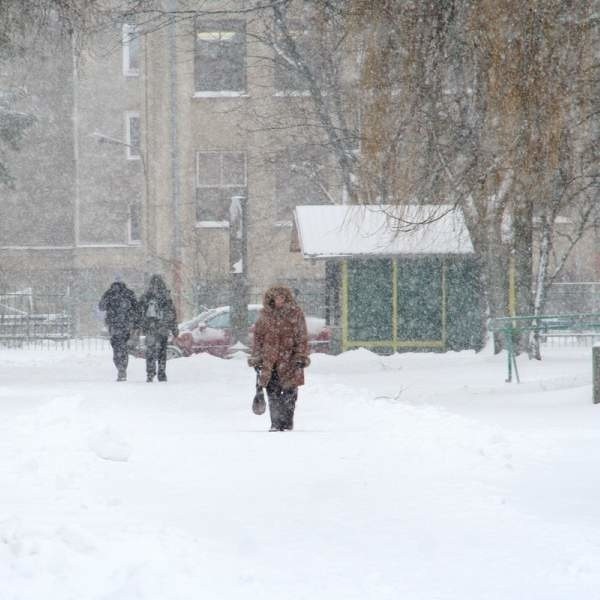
x=278, y=290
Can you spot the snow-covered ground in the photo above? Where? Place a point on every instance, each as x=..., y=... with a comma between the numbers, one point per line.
x=414, y=476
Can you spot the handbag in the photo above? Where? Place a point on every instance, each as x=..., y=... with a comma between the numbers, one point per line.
x=259, y=404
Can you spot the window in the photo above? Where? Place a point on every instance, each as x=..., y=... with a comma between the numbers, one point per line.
x=220, y=58
x=135, y=223
x=133, y=136
x=130, y=42
x=300, y=178
x=219, y=177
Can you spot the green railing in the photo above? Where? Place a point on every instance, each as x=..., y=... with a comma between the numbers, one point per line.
x=513, y=327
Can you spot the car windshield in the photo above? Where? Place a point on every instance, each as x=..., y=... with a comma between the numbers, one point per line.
x=219, y=321
x=201, y=318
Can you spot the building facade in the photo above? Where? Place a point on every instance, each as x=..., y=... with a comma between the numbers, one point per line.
x=141, y=140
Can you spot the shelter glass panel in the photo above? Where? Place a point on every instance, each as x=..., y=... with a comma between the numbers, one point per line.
x=420, y=299
x=465, y=310
x=370, y=300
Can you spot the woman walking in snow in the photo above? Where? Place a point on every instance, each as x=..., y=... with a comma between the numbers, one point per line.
x=280, y=351
x=158, y=318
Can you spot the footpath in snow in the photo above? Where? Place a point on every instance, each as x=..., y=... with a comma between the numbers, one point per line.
x=413, y=476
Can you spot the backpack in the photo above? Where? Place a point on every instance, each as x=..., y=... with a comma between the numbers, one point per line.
x=153, y=310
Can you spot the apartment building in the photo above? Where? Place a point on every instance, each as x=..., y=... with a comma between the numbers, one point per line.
x=141, y=141
x=212, y=89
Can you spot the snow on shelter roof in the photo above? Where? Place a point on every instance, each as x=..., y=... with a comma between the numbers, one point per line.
x=378, y=230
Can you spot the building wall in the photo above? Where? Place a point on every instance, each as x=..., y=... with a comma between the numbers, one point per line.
x=39, y=211
x=213, y=124
x=64, y=228
x=75, y=191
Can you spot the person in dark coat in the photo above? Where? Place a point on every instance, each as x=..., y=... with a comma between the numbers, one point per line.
x=280, y=352
x=157, y=319
x=121, y=308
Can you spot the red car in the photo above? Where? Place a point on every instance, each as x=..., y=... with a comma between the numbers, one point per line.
x=211, y=332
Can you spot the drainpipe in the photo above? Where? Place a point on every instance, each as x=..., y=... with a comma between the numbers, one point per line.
x=151, y=244
x=175, y=187
x=76, y=188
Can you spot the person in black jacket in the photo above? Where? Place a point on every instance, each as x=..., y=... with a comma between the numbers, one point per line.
x=157, y=319
x=121, y=308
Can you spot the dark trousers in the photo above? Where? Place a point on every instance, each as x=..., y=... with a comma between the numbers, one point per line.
x=156, y=352
x=282, y=403
x=118, y=341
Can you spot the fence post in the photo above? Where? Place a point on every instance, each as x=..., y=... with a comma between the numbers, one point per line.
x=596, y=371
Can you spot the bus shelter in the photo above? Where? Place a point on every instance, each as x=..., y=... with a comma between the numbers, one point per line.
x=393, y=284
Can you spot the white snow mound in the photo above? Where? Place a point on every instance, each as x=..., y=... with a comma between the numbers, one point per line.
x=109, y=445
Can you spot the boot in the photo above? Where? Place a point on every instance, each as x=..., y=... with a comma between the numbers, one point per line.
x=122, y=375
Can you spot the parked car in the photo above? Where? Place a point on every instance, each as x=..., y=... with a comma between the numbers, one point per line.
x=211, y=332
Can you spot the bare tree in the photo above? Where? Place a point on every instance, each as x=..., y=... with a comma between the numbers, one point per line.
x=499, y=99
x=483, y=105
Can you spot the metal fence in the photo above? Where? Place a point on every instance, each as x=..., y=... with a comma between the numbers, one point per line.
x=581, y=297
x=75, y=344
x=26, y=317
x=570, y=339
x=44, y=321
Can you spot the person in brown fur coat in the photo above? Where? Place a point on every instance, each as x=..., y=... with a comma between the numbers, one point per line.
x=280, y=352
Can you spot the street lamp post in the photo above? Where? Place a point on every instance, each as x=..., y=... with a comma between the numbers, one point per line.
x=106, y=139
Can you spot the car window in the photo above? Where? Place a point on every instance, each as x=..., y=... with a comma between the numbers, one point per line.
x=220, y=321
x=188, y=325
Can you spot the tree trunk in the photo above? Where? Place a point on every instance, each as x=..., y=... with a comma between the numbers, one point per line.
x=492, y=255
x=523, y=245
x=540, y=291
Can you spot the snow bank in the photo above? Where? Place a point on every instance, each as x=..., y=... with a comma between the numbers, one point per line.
x=408, y=476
